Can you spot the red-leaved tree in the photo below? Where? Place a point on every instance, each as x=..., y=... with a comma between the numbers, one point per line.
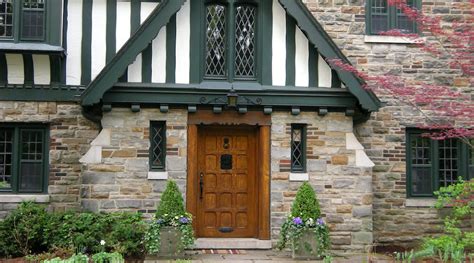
x=447, y=111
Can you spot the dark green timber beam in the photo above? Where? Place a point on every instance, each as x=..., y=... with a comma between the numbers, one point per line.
x=127, y=54
x=328, y=49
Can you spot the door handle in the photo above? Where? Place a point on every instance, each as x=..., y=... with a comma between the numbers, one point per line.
x=201, y=185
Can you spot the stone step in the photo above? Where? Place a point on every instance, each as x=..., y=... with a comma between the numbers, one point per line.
x=232, y=243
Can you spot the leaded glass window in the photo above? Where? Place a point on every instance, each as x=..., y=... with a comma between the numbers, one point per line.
x=245, y=22
x=6, y=18
x=6, y=158
x=382, y=17
x=158, y=145
x=23, y=158
x=421, y=182
x=436, y=163
x=33, y=19
x=216, y=41
x=298, y=148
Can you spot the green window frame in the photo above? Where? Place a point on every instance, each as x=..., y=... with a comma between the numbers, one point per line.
x=24, y=158
x=298, y=148
x=31, y=21
x=157, y=156
x=432, y=164
x=381, y=17
x=237, y=59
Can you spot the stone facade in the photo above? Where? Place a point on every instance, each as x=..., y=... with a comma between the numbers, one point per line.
x=70, y=138
x=120, y=181
x=343, y=189
x=397, y=220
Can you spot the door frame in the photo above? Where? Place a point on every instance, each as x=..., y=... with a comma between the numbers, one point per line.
x=263, y=122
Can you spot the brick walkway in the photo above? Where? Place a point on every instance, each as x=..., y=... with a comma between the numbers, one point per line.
x=267, y=256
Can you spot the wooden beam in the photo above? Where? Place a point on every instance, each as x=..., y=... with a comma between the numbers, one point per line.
x=191, y=182
x=264, y=183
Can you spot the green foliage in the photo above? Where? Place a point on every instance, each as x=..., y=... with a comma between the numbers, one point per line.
x=170, y=213
x=31, y=230
x=171, y=202
x=104, y=257
x=76, y=258
x=305, y=217
x=459, y=199
x=22, y=231
x=306, y=204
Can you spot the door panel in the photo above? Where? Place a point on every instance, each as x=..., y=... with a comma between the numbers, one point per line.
x=227, y=206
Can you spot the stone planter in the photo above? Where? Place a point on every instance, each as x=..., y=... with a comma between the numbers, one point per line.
x=306, y=247
x=170, y=238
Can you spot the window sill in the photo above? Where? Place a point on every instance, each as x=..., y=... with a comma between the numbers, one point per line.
x=390, y=39
x=299, y=177
x=39, y=47
x=420, y=202
x=13, y=198
x=157, y=175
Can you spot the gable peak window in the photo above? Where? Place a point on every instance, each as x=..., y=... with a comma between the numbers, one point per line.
x=382, y=17
x=231, y=40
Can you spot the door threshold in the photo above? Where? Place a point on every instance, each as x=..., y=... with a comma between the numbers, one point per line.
x=232, y=243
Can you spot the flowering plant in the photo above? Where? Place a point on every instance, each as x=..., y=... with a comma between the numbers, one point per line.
x=305, y=218
x=170, y=214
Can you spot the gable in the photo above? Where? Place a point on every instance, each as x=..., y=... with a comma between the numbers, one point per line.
x=297, y=55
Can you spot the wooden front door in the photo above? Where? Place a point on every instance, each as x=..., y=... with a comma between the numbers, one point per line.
x=227, y=197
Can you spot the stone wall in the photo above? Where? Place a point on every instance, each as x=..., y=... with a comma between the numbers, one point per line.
x=70, y=137
x=344, y=190
x=120, y=181
x=397, y=220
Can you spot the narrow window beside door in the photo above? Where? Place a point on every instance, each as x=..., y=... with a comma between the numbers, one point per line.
x=157, y=145
x=298, y=148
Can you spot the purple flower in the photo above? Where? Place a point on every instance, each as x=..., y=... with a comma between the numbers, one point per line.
x=160, y=221
x=184, y=220
x=297, y=221
x=319, y=222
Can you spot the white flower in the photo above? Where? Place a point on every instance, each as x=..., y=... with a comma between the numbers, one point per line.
x=102, y=242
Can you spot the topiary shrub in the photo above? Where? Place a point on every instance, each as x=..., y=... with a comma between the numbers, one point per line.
x=170, y=214
x=305, y=220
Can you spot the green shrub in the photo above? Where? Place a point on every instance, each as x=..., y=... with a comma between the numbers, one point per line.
x=171, y=202
x=170, y=213
x=305, y=216
x=127, y=234
x=22, y=231
x=104, y=257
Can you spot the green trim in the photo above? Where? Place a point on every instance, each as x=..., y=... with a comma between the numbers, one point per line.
x=196, y=60
x=25, y=92
x=181, y=94
x=54, y=19
x=111, y=29
x=171, y=50
x=290, y=50
x=28, y=69
x=335, y=81
x=392, y=18
x=86, y=42
x=328, y=49
x=152, y=145
x=136, y=44
x=16, y=153
x=135, y=16
x=64, y=40
x=313, y=66
x=55, y=68
x=3, y=69
x=265, y=42
x=147, y=56
x=462, y=160
x=303, y=148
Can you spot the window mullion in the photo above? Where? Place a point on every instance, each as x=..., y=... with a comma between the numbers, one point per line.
x=392, y=17
x=17, y=20
x=435, y=164
x=231, y=41
x=16, y=160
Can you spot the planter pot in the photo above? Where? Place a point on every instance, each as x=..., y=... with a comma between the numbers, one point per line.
x=306, y=247
x=170, y=238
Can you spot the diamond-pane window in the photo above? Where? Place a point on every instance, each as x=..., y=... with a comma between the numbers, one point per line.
x=157, y=145
x=245, y=22
x=298, y=148
x=6, y=18
x=215, y=41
